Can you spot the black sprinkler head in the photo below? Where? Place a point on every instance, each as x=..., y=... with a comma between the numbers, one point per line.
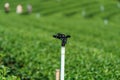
x=62, y=37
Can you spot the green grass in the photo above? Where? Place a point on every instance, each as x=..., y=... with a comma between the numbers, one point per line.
x=29, y=52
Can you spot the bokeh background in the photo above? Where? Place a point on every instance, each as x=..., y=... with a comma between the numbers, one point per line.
x=29, y=52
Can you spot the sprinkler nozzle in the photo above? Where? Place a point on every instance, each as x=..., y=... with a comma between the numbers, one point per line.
x=62, y=37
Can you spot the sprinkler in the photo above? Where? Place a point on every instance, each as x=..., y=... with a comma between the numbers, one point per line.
x=63, y=38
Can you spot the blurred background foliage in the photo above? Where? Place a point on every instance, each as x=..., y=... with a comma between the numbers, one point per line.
x=29, y=52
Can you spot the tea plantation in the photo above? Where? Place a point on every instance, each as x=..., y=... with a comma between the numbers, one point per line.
x=29, y=52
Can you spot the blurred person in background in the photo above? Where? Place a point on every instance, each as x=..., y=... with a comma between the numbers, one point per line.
x=29, y=8
x=7, y=7
x=19, y=9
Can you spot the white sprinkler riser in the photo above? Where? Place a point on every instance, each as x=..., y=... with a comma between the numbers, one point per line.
x=62, y=63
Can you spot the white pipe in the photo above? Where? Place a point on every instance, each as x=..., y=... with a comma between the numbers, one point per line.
x=62, y=63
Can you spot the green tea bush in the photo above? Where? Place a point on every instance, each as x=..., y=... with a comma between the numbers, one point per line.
x=29, y=52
